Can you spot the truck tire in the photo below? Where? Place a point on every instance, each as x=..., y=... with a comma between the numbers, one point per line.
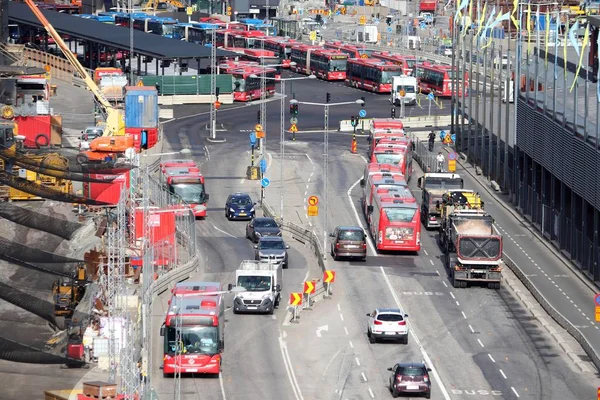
x=82, y=158
x=464, y=284
x=42, y=140
x=455, y=283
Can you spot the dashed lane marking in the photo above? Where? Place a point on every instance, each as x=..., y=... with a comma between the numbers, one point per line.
x=503, y=375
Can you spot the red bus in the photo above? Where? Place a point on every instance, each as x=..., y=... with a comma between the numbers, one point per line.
x=193, y=330
x=351, y=50
x=387, y=138
x=329, y=65
x=247, y=39
x=371, y=74
x=437, y=79
x=258, y=57
x=399, y=154
x=188, y=184
x=373, y=168
x=380, y=179
x=226, y=65
x=407, y=63
x=247, y=88
x=224, y=37
x=395, y=222
x=282, y=47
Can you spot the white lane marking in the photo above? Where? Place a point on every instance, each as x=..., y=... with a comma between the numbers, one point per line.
x=289, y=369
x=452, y=295
x=351, y=344
x=463, y=314
x=270, y=157
x=438, y=272
x=242, y=181
x=491, y=358
x=348, y=193
x=342, y=317
x=309, y=223
x=425, y=251
x=330, y=361
x=458, y=304
x=503, y=375
x=309, y=159
x=431, y=261
x=515, y=391
x=471, y=329
x=480, y=342
x=222, y=231
x=207, y=152
x=305, y=193
x=357, y=361
x=346, y=330
x=308, y=180
x=222, y=386
x=370, y=392
x=363, y=376
x=445, y=284
x=339, y=308
x=426, y=358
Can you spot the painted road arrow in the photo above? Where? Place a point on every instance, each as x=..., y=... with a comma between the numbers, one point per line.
x=321, y=329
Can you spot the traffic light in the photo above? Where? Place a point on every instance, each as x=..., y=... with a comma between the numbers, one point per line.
x=258, y=115
x=328, y=97
x=393, y=112
x=294, y=109
x=354, y=120
x=388, y=21
x=217, y=91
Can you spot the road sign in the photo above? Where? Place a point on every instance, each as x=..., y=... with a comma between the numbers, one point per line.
x=430, y=96
x=293, y=120
x=329, y=276
x=597, y=313
x=295, y=299
x=389, y=29
x=312, y=35
x=189, y=10
x=47, y=69
x=376, y=21
x=263, y=166
x=451, y=156
x=447, y=139
x=442, y=135
x=293, y=128
x=362, y=113
x=453, y=137
x=597, y=299
x=364, y=56
x=402, y=93
x=313, y=211
x=451, y=165
x=265, y=182
x=258, y=128
x=309, y=287
x=252, y=139
x=313, y=200
x=362, y=20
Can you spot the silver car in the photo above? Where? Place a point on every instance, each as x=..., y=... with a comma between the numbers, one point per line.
x=272, y=248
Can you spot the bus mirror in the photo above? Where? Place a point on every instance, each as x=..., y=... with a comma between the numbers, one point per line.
x=162, y=330
x=362, y=182
x=229, y=287
x=206, y=196
x=462, y=183
x=237, y=85
x=420, y=183
x=370, y=209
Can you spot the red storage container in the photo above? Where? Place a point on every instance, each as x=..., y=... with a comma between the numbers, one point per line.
x=106, y=192
x=161, y=224
x=143, y=140
x=37, y=130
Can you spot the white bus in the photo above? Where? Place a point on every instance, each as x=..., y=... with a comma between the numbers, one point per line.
x=406, y=84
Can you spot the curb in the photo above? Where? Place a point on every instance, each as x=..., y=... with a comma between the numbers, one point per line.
x=527, y=225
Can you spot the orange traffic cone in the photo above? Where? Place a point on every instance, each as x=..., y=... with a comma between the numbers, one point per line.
x=353, y=147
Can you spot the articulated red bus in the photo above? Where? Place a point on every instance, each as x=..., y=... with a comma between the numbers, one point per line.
x=371, y=74
x=380, y=179
x=224, y=37
x=380, y=137
x=407, y=63
x=329, y=65
x=352, y=50
x=247, y=87
x=399, y=154
x=282, y=47
x=438, y=79
x=248, y=39
x=395, y=221
x=259, y=57
x=193, y=330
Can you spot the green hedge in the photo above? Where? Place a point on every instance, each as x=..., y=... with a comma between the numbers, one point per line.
x=188, y=84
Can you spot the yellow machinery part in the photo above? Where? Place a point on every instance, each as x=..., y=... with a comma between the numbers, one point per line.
x=63, y=185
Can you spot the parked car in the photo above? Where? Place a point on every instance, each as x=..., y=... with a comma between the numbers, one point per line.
x=261, y=227
x=410, y=378
x=272, y=248
x=387, y=324
x=349, y=241
x=87, y=135
x=239, y=206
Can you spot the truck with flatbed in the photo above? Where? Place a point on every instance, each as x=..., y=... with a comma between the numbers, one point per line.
x=471, y=243
x=260, y=286
x=433, y=186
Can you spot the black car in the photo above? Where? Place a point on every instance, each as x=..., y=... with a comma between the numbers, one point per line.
x=261, y=227
x=239, y=206
x=410, y=378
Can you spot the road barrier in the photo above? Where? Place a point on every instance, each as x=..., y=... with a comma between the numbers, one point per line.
x=426, y=160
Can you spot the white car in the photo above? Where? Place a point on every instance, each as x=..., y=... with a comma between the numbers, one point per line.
x=387, y=324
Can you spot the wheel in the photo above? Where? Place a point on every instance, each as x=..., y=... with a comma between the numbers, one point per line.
x=271, y=311
x=395, y=394
x=335, y=257
x=165, y=375
x=463, y=284
x=42, y=140
x=491, y=285
x=82, y=158
x=234, y=310
x=332, y=253
x=364, y=259
x=497, y=285
x=405, y=341
x=371, y=337
x=428, y=395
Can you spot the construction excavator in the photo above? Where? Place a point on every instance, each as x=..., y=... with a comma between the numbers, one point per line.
x=154, y=5
x=68, y=292
x=115, y=122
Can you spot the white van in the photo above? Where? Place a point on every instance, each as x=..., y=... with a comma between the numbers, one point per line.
x=405, y=83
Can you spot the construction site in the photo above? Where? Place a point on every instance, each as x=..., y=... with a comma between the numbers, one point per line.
x=81, y=248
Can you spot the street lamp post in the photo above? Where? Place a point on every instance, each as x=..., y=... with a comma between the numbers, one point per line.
x=326, y=159
x=281, y=127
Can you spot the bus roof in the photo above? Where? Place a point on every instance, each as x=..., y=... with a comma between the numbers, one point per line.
x=386, y=123
x=187, y=288
x=251, y=70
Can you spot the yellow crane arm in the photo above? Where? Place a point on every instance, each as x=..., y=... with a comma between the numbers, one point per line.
x=113, y=116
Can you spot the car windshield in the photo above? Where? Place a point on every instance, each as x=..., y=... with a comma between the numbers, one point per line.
x=192, y=193
x=443, y=183
x=265, y=223
x=406, y=88
x=400, y=214
x=271, y=245
x=254, y=283
x=389, y=158
x=192, y=340
x=351, y=235
x=390, y=317
x=241, y=201
x=412, y=371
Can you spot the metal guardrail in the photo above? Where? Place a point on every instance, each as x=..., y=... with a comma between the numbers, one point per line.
x=426, y=160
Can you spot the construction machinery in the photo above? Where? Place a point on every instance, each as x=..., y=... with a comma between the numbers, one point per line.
x=68, y=292
x=115, y=123
x=154, y=5
x=111, y=148
x=434, y=186
x=472, y=245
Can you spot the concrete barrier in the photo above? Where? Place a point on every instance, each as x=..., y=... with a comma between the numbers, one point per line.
x=193, y=99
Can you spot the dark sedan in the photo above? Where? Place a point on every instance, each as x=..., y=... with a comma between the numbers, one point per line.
x=410, y=378
x=261, y=227
x=239, y=206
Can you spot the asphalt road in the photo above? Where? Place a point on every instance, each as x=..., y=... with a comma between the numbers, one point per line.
x=481, y=343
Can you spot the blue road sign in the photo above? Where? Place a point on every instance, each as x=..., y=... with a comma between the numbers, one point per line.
x=263, y=166
x=265, y=182
x=252, y=139
x=453, y=137
x=362, y=113
x=452, y=156
x=430, y=96
x=376, y=21
x=422, y=26
x=389, y=29
x=442, y=135
x=597, y=299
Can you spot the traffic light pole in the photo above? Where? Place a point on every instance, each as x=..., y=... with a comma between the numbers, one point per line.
x=282, y=147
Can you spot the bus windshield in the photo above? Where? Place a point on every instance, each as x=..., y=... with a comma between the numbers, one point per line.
x=337, y=65
x=400, y=214
x=192, y=340
x=167, y=29
x=192, y=193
